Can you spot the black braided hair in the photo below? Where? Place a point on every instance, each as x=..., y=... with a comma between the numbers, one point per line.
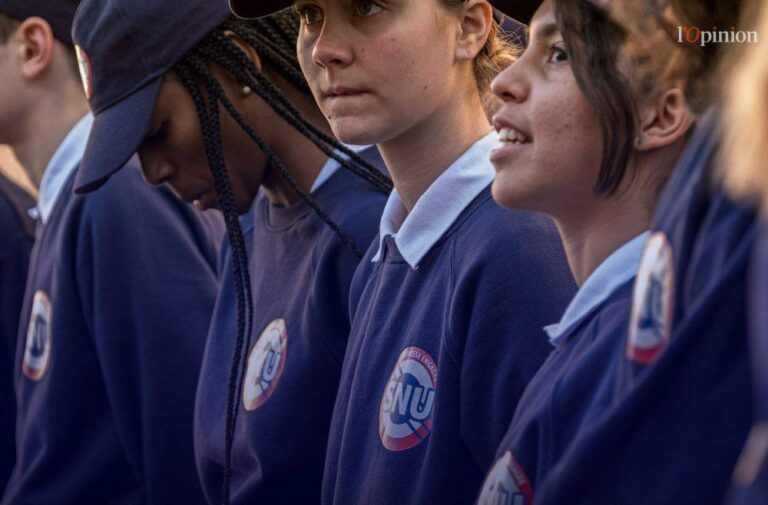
x=274, y=38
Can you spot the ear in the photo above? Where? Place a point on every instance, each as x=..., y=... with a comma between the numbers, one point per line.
x=664, y=121
x=36, y=47
x=476, y=22
x=245, y=47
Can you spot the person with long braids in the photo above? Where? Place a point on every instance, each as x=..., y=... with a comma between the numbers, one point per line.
x=449, y=301
x=226, y=119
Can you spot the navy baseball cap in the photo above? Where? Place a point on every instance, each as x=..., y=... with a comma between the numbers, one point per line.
x=124, y=47
x=521, y=10
x=58, y=13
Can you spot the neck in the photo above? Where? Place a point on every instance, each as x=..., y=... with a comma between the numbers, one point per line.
x=44, y=128
x=301, y=157
x=589, y=239
x=416, y=158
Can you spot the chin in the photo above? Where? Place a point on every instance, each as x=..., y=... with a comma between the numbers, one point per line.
x=509, y=192
x=355, y=131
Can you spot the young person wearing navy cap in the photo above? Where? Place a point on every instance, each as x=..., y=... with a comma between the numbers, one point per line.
x=225, y=117
x=118, y=300
x=682, y=405
x=17, y=232
x=746, y=97
x=586, y=147
x=448, y=303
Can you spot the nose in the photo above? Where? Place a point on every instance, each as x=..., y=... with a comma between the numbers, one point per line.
x=510, y=84
x=155, y=169
x=330, y=48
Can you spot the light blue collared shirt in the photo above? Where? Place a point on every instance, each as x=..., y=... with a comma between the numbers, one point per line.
x=619, y=268
x=64, y=161
x=415, y=233
x=330, y=167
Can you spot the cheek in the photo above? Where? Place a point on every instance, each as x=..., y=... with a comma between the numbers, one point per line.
x=570, y=139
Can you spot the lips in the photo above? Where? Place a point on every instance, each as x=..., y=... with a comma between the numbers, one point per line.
x=343, y=92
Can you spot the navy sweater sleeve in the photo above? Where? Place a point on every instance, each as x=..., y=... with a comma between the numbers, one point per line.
x=16, y=239
x=480, y=327
x=148, y=305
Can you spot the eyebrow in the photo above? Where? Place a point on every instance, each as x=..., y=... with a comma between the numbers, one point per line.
x=546, y=31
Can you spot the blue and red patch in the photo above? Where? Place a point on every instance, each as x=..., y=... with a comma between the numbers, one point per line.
x=407, y=405
x=652, y=302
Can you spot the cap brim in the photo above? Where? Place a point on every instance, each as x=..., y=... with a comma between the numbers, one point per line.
x=520, y=10
x=250, y=9
x=116, y=135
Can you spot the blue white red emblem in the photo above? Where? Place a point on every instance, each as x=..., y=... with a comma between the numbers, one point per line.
x=652, y=302
x=506, y=484
x=265, y=365
x=407, y=405
x=37, y=351
x=86, y=71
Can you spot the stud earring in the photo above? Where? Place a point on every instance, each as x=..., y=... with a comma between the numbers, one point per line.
x=246, y=91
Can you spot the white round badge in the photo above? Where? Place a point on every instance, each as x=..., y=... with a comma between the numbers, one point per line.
x=506, y=484
x=652, y=302
x=265, y=365
x=37, y=351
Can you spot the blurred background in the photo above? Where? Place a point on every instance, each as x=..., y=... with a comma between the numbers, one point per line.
x=10, y=167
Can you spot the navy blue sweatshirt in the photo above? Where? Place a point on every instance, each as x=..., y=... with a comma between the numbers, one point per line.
x=574, y=387
x=683, y=402
x=121, y=290
x=16, y=239
x=446, y=333
x=300, y=273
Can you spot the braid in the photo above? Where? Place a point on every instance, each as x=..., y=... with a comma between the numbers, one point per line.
x=217, y=94
x=212, y=140
x=275, y=40
x=267, y=91
x=235, y=61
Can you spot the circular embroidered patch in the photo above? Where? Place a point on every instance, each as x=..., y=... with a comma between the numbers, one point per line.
x=265, y=365
x=506, y=484
x=37, y=351
x=86, y=71
x=652, y=302
x=407, y=405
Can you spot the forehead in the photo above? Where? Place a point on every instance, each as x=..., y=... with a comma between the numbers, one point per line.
x=543, y=24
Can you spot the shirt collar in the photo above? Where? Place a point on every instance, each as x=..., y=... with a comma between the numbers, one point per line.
x=619, y=268
x=63, y=163
x=415, y=233
x=331, y=166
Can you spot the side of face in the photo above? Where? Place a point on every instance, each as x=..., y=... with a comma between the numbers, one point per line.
x=13, y=88
x=377, y=68
x=173, y=151
x=552, y=141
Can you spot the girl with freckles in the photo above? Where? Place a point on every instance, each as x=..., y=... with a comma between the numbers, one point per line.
x=585, y=146
x=448, y=303
x=681, y=403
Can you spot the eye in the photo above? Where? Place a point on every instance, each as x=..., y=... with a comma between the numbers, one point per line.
x=309, y=14
x=158, y=134
x=367, y=9
x=557, y=54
